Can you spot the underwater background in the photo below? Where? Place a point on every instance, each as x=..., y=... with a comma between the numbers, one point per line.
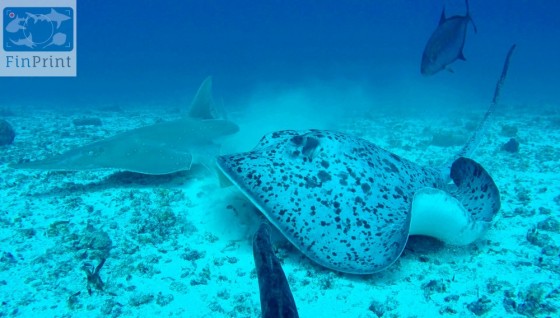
x=180, y=245
x=155, y=50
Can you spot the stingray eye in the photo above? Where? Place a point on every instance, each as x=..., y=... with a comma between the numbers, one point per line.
x=309, y=148
x=297, y=140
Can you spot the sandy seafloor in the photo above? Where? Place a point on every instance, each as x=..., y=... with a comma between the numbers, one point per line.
x=180, y=246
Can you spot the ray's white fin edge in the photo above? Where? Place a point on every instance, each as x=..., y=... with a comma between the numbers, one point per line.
x=438, y=214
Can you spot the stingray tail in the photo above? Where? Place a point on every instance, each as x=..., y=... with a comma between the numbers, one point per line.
x=476, y=138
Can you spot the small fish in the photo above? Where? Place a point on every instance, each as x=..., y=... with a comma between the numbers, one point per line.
x=55, y=16
x=276, y=297
x=445, y=46
x=16, y=24
x=52, y=16
x=26, y=41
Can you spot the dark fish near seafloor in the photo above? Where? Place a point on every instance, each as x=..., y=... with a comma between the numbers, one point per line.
x=445, y=46
x=276, y=297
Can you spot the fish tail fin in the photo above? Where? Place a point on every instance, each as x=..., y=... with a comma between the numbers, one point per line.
x=442, y=17
x=474, y=25
x=469, y=16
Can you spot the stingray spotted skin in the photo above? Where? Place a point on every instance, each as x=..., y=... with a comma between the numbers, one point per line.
x=341, y=200
x=476, y=190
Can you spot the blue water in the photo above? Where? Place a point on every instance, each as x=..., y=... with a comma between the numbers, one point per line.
x=269, y=59
x=138, y=50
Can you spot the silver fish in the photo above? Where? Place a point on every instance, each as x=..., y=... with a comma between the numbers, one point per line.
x=445, y=46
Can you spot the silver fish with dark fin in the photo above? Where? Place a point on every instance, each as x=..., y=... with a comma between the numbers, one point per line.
x=445, y=46
x=276, y=297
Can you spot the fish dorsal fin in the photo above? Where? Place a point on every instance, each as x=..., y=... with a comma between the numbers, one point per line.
x=202, y=106
x=442, y=18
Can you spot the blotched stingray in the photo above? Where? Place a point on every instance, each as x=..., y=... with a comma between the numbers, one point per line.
x=161, y=148
x=350, y=205
x=446, y=43
x=276, y=297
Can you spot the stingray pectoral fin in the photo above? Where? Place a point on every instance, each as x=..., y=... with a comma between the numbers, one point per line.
x=223, y=179
x=460, y=217
x=52, y=163
x=438, y=214
x=476, y=189
x=143, y=158
x=78, y=159
x=152, y=160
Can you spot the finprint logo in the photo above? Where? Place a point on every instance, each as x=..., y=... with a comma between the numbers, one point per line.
x=38, y=29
